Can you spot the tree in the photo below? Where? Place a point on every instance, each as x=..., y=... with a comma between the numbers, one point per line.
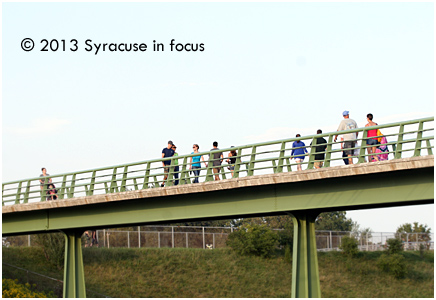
x=362, y=235
x=334, y=220
x=53, y=245
x=422, y=232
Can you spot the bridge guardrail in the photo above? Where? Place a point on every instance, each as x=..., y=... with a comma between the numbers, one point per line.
x=407, y=138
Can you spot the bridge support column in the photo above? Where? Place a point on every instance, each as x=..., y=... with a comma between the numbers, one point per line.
x=74, y=275
x=305, y=275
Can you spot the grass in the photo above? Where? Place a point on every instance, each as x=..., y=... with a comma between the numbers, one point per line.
x=220, y=273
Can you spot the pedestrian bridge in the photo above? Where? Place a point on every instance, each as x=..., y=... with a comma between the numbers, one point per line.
x=264, y=182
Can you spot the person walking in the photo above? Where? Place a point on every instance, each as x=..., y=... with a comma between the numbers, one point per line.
x=349, y=138
x=167, y=152
x=216, y=159
x=195, y=163
x=232, y=160
x=371, y=141
x=176, y=164
x=299, y=152
x=321, y=146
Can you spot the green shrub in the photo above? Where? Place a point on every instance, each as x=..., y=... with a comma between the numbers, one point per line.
x=12, y=289
x=394, y=246
x=393, y=264
x=349, y=246
x=253, y=239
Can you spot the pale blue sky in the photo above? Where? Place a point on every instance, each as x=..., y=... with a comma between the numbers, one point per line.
x=269, y=71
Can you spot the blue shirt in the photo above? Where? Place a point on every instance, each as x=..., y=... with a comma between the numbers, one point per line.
x=167, y=153
x=298, y=151
x=196, y=159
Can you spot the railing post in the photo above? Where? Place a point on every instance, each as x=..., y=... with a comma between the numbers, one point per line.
x=44, y=189
x=139, y=236
x=209, y=176
x=184, y=178
x=128, y=239
x=71, y=190
x=312, y=154
x=146, y=176
x=328, y=153
x=281, y=158
x=91, y=186
x=26, y=194
x=400, y=138
x=305, y=274
x=158, y=239
x=361, y=158
x=250, y=170
x=429, y=151
x=17, y=198
x=74, y=275
x=169, y=181
x=114, y=185
x=186, y=240
x=204, y=245
x=417, y=151
x=124, y=181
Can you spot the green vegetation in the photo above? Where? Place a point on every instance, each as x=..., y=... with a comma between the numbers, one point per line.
x=253, y=239
x=12, y=289
x=221, y=273
x=349, y=246
x=393, y=264
x=53, y=245
x=394, y=246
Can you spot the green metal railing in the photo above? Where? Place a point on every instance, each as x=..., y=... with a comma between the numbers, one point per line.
x=405, y=139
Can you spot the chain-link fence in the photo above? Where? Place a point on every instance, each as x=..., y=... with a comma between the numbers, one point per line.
x=216, y=237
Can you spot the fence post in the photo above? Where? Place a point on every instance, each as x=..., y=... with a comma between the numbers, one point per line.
x=172, y=236
x=128, y=239
x=186, y=240
x=213, y=242
x=104, y=237
x=204, y=246
x=139, y=236
x=158, y=239
x=331, y=244
x=28, y=239
x=367, y=243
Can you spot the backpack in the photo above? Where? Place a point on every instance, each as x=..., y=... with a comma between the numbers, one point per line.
x=382, y=150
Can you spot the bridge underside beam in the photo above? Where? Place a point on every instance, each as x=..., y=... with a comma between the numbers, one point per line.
x=375, y=190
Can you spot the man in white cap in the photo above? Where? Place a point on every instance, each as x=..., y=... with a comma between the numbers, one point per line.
x=349, y=138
